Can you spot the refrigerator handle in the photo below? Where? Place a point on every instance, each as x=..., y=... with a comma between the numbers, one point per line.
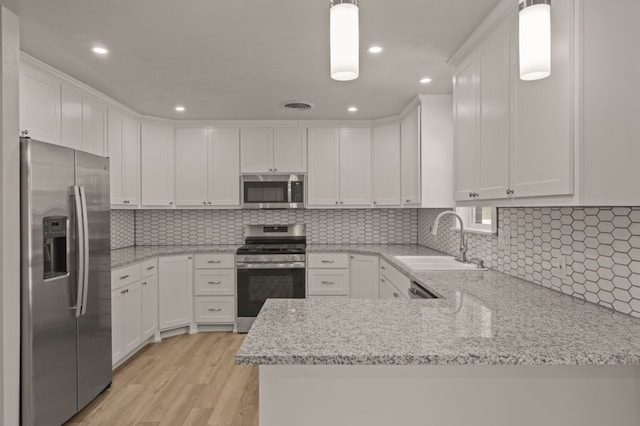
x=77, y=200
x=85, y=247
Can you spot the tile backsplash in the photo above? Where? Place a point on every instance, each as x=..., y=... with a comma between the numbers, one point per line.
x=200, y=227
x=601, y=247
x=122, y=229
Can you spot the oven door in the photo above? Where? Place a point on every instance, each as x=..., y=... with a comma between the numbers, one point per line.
x=256, y=285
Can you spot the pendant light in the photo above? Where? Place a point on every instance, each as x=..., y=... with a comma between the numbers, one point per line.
x=535, y=39
x=344, y=40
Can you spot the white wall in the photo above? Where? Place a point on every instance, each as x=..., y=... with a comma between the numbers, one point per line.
x=9, y=220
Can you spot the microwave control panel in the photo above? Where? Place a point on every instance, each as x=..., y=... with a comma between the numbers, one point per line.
x=297, y=192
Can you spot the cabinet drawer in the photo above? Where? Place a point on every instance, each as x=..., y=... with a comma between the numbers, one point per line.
x=215, y=261
x=125, y=276
x=397, y=278
x=390, y=291
x=149, y=267
x=217, y=282
x=215, y=309
x=328, y=260
x=328, y=282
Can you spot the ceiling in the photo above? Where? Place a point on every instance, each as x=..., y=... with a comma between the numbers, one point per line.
x=239, y=59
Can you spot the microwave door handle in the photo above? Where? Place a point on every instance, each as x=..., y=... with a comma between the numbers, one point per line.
x=289, y=200
x=79, y=248
x=85, y=233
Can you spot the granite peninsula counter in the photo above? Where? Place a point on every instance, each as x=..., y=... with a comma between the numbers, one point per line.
x=492, y=341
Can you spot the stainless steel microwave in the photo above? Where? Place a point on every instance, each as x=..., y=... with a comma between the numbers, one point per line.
x=273, y=191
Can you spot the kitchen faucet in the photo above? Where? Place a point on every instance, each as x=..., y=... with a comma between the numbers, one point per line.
x=462, y=256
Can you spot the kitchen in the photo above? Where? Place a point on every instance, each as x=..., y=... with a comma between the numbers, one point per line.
x=542, y=172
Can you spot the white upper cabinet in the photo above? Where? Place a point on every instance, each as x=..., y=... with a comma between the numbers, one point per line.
x=542, y=149
x=290, y=150
x=72, y=116
x=257, y=150
x=494, y=69
x=410, y=158
x=465, y=105
x=324, y=173
x=157, y=165
x=281, y=150
x=355, y=167
x=192, y=162
x=224, y=167
x=123, y=149
x=94, y=119
x=84, y=121
x=386, y=166
x=207, y=167
x=39, y=104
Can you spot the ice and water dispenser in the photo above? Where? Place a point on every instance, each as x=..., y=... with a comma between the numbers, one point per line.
x=55, y=246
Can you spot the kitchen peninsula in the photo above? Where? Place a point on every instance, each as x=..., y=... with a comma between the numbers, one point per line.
x=504, y=350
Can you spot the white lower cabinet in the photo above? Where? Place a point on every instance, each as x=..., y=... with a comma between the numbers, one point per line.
x=149, y=306
x=117, y=325
x=175, y=291
x=387, y=290
x=393, y=283
x=364, y=277
x=131, y=318
x=214, y=289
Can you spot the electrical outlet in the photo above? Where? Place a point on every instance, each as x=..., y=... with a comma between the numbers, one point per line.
x=504, y=239
x=208, y=233
x=559, y=266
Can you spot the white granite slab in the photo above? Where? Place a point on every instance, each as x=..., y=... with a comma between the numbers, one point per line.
x=125, y=256
x=486, y=318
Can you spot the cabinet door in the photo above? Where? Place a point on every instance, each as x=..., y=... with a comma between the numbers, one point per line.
x=290, y=150
x=494, y=67
x=71, y=125
x=410, y=158
x=149, y=306
x=131, y=160
x=191, y=167
x=323, y=178
x=256, y=150
x=39, y=104
x=157, y=165
x=364, y=277
x=386, y=165
x=387, y=290
x=224, y=167
x=355, y=167
x=94, y=121
x=175, y=291
x=117, y=346
x=465, y=125
x=542, y=150
x=116, y=156
x=131, y=317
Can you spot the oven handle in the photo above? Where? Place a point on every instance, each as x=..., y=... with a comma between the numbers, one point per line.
x=265, y=265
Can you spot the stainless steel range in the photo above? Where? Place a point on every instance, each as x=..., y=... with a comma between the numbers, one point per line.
x=271, y=265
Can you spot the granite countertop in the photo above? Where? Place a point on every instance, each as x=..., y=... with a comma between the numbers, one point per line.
x=484, y=317
x=125, y=256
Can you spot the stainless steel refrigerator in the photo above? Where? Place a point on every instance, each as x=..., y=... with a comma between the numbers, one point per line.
x=65, y=281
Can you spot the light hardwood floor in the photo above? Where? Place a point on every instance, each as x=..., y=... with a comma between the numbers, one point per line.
x=183, y=380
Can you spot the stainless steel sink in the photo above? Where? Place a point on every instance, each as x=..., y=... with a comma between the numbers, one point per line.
x=436, y=263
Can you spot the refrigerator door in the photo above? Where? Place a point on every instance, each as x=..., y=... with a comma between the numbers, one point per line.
x=48, y=285
x=94, y=323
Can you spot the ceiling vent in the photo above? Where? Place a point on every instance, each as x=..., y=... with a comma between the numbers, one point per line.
x=296, y=105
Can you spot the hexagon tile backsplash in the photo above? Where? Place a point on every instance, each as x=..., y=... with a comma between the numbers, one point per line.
x=601, y=247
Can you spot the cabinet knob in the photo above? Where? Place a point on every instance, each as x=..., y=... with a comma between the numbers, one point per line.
x=270, y=170
x=407, y=201
x=204, y=202
x=24, y=132
x=170, y=203
x=144, y=283
x=275, y=170
x=341, y=202
x=337, y=202
x=209, y=202
x=396, y=295
x=510, y=191
x=375, y=202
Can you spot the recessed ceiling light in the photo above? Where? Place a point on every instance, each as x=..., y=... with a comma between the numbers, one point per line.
x=374, y=49
x=353, y=109
x=425, y=80
x=98, y=50
x=180, y=108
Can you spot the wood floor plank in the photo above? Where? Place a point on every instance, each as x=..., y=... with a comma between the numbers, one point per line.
x=183, y=380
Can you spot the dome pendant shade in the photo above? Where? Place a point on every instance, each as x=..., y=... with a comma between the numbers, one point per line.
x=535, y=39
x=344, y=40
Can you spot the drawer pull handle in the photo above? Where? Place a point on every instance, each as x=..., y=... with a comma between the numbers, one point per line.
x=215, y=309
x=328, y=282
x=396, y=295
x=214, y=282
x=383, y=280
x=214, y=261
x=383, y=268
x=150, y=268
x=328, y=261
x=144, y=283
x=124, y=277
